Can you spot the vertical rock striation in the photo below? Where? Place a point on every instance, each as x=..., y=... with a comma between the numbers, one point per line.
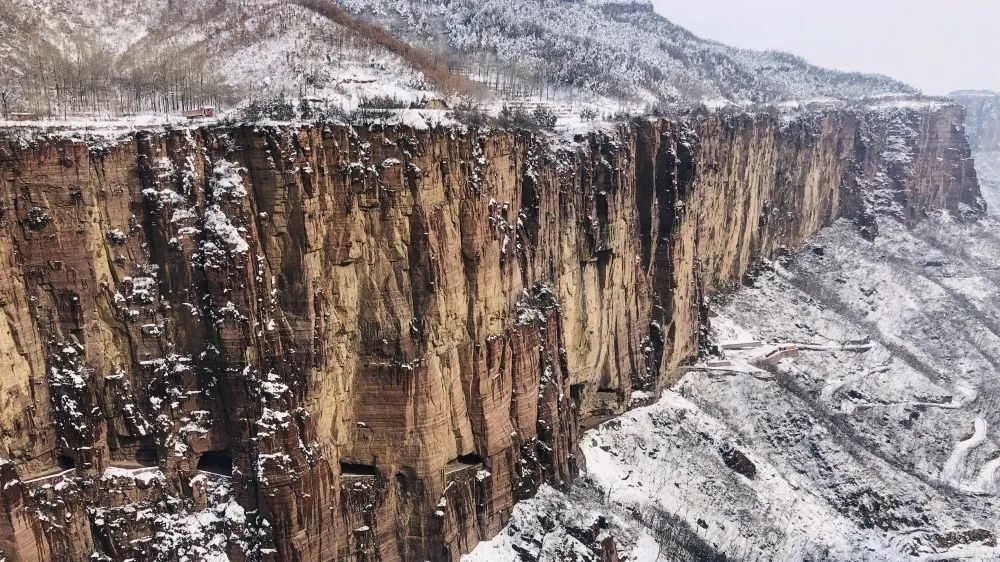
x=322, y=343
x=983, y=118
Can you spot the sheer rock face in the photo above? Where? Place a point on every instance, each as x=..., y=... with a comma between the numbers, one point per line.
x=391, y=335
x=983, y=116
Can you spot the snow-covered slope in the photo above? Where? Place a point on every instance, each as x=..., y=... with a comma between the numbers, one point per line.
x=566, y=526
x=614, y=48
x=879, y=441
x=113, y=57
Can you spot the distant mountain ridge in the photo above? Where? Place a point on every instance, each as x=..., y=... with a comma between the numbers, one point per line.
x=611, y=48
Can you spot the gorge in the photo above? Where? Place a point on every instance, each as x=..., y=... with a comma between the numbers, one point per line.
x=327, y=342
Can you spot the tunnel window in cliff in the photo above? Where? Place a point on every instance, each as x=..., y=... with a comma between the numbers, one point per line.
x=147, y=456
x=65, y=462
x=356, y=469
x=470, y=459
x=576, y=392
x=216, y=462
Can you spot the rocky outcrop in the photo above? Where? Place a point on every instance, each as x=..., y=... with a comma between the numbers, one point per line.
x=326, y=343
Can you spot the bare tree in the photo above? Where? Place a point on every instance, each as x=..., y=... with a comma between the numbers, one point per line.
x=9, y=92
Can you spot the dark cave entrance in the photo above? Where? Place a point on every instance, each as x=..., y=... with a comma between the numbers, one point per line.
x=216, y=462
x=470, y=459
x=65, y=462
x=357, y=469
x=147, y=457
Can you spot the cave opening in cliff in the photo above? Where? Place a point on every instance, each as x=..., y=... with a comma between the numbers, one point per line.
x=576, y=392
x=470, y=459
x=147, y=456
x=357, y=469
x=66, y=462
x=216, y=462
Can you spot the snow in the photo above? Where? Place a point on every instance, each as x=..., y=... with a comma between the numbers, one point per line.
x=182, y=532
x=956, y=462
x=61, y=474
x=877, y=442
x=599, y=50
x=548, y=527
x=594, y=66
x=218, y=223
x=144, y=475
x=291, y=52
x=988, y=481
x=227, y=182
x=534, y=305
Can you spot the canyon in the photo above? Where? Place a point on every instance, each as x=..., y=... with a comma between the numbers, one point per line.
x=333, y=342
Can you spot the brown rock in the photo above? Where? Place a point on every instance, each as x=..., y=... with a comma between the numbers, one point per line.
x=390, y=335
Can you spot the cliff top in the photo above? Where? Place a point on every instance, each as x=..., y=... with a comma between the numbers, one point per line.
x=561, y=127
x=969, y=93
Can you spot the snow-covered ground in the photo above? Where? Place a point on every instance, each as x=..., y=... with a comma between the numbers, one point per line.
x=880, y=440
x=565, y=526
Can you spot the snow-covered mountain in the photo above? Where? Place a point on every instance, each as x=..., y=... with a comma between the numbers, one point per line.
x=614, y=48
x=113, y=57
x=848, y=411
x=879, y=441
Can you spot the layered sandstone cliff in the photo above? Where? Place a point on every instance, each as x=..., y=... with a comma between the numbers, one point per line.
x=330, y=343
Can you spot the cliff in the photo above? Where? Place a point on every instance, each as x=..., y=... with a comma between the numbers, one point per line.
x=322, y=343
x=983, y=118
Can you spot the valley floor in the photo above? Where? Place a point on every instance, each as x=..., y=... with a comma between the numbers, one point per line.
x=880, y=440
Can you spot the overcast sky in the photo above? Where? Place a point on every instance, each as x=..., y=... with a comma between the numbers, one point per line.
x=937, y=46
